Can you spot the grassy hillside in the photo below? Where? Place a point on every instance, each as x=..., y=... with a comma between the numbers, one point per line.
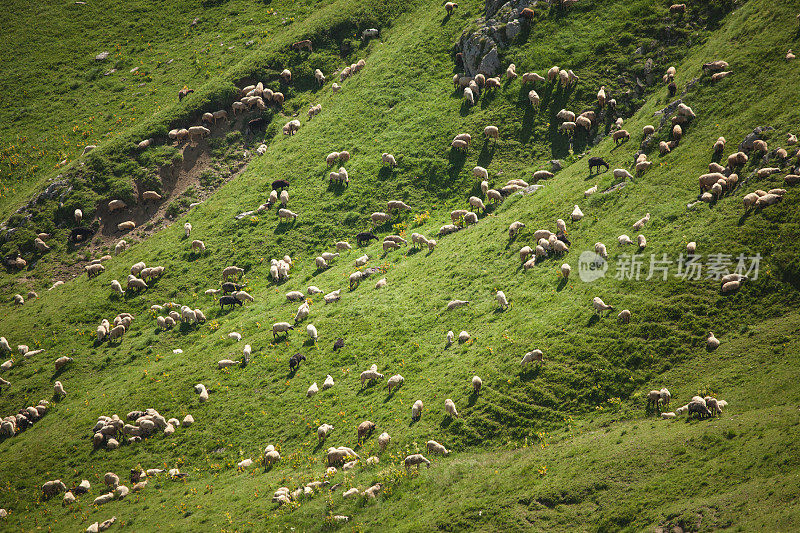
x=560, y=446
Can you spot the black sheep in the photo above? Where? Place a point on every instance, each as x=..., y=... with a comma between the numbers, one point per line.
x=229, y=287
x=597, y=162
x=364, y=237
x=80, y=234
x=672, y=89
x=229, y=300
x=278, y=185
x=294, y=361
x=338, y=344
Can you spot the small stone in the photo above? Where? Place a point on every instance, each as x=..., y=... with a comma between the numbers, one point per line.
x=101, y=56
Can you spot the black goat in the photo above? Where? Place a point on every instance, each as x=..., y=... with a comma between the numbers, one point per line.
x=364, y=237
x=229, y=300
x=280, y=185
x=294, y=361
x=597, y=162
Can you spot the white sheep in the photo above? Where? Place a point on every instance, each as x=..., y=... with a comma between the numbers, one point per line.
x=312, y=332
x=502, y=301
x=641, y=222
x=533, y=356
x=312, y=390
x=323, y=430
x=600, y=306
x=577, y=214
x=225, y=363
x=58, y=390
x=332, y=296
x=395, y=382
x=435, y=447
x=455, y=304
x=328, y=383
x=712, y=342
x=383, y=440
x=416, y=410
x=450, y=408
x=388, y=159
x=513, y=229
x=463, y=337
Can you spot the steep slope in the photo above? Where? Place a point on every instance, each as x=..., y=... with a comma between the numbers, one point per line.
x=580, y=412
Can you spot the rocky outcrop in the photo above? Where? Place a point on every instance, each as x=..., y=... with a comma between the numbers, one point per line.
x=496, y=30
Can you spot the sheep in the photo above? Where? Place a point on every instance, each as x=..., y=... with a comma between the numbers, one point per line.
x=281, y=327
x=514, y=228
x=435, y=447
x=93, y=270
x=620, y=135
x=450, y=336
x=712, y=343
x=533, y=98
x=480, y=172
x=369, y=375
x=511, y=71
x=491, y=131
x=302, y=312
x=476, y=203
x=590, y=191
x=533, y=356
x=225, y=363
x=641, y=222
x=388, y=159
x=600, y=306
x=332, y=296
x=364, y=429
x=312, y=390
x=383, y=440
x=395, y=382
x=416, y=410
x=415, y=459
x=624, y=317
x=455, y=304
x=450, y=408
x=600, y=249
x=323, y=430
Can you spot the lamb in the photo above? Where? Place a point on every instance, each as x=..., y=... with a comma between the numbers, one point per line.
x=450, y=408
x=435, y=447
x=455, y=304
x=281, y=327
x=416, y=459
x=600, y=306
x=416, y=410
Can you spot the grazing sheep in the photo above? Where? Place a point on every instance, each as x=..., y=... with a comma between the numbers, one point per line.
x=416, y=410
x=281, y=327
x=641, y=222
x=435, y=447
x=225, y=363
x=388, y=159
x=531, y=357
x=198, y=246
x=600, y=306
x=601, y=96
x=501, y=299
x=450, y=408
x=395, y=382
x=534, y=98
x=383, y=440
x=364, y=429
x=312, y=332
x=312, y=390
x=416, y=459
x=565, y=270
x=332, y=296
x=514, y=228
x=620, y=135
x=624, y=316
x=577, y=214
x=677, y=9
x=455, y=304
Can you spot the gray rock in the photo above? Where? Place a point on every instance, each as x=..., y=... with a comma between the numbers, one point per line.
x=556, y=165
x=512, y=30
x=490, y=64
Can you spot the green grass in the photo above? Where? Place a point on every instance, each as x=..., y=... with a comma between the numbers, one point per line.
x=563, y=446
